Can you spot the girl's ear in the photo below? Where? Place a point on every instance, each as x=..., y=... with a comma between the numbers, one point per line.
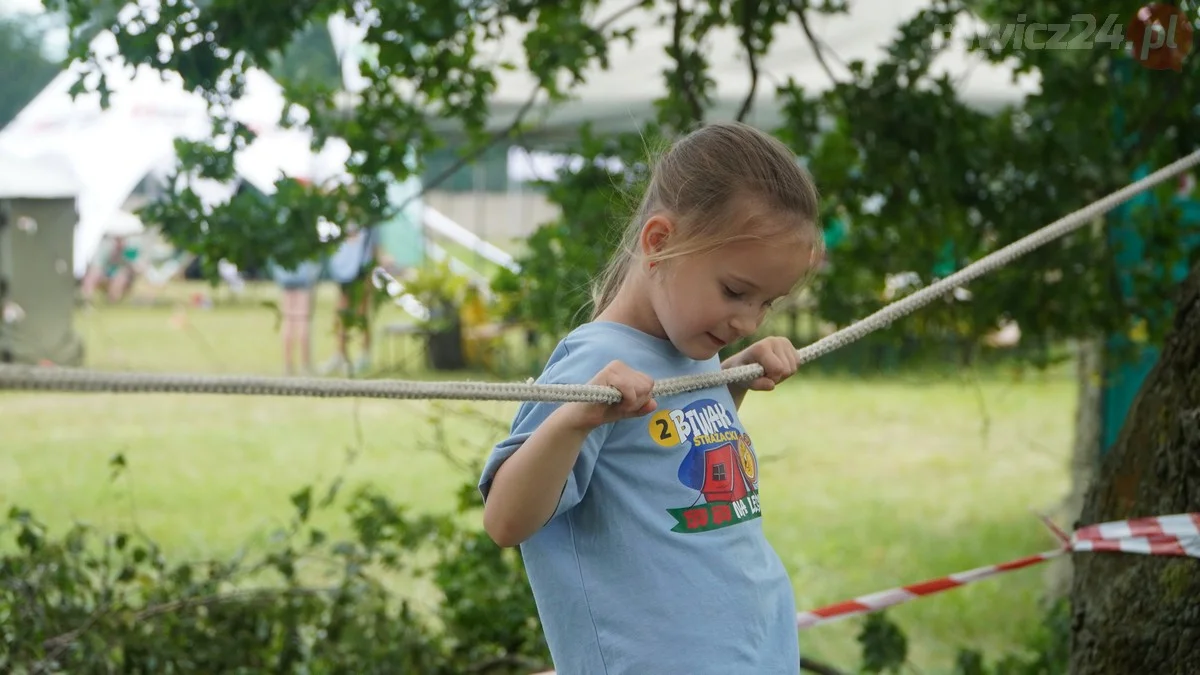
x=655, y=233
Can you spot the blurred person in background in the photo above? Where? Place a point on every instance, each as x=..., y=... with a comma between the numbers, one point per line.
x=111, y=268
x=350, y=267
x=298, y=286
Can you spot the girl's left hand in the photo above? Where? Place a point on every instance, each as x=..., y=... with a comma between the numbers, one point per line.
x=777, y=357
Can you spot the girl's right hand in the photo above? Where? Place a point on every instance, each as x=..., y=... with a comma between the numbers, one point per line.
x=635, y=397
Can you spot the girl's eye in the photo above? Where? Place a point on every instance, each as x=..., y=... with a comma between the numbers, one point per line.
x=730, y=293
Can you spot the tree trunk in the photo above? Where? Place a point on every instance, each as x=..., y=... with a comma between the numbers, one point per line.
x=1135, y=613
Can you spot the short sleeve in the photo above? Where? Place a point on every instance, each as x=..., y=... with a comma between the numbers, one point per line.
x=568, y=370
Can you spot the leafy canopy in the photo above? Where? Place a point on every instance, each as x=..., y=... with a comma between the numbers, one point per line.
x=924, y=182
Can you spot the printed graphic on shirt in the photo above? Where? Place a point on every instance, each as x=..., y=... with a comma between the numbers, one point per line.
x=720, y=465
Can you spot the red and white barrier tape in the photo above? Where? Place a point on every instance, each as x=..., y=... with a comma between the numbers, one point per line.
x=1177, y=535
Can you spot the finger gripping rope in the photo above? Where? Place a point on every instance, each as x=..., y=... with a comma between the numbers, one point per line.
x=79, y=380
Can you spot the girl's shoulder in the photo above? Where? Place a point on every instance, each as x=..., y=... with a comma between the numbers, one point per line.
x=577, y=357
x=590, y=347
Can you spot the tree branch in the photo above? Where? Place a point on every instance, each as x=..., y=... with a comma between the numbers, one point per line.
x=622, y=12
x=477, y=152
x=798, y=5
x=747, y=38
x=506, y=132
x=684, y=83
x=62, y=641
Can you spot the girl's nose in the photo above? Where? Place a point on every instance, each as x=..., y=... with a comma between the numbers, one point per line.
x=744, y=324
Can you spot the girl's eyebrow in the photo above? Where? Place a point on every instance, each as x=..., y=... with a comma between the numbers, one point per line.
x=742, y=280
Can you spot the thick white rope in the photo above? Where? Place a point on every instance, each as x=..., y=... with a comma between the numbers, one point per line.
x=30, y=378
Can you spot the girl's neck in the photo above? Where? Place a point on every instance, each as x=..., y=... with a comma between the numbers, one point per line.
x=633, y=308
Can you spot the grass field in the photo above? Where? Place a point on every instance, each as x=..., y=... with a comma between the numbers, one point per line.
x=866, y=484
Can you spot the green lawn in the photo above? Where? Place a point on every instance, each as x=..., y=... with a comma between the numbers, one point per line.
x=866, y=484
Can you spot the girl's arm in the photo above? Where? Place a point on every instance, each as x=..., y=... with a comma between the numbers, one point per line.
x=738, y=392
x=527, y=487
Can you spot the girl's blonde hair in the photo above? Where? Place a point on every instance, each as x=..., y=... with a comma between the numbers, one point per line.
x=703, y=180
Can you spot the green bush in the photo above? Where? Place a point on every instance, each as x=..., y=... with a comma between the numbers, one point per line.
x=87, y=602
x=885, y=649
x=93, y=603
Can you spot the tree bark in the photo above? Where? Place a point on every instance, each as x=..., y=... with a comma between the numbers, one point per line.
x=1135, y=613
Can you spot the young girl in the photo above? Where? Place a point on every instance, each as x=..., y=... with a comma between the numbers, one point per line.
x=639, y=522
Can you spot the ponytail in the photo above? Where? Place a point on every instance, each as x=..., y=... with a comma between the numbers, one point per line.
x=609, y=282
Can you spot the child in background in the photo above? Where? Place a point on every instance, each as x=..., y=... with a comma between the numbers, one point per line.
x=298, y=286
x=350, y=267
x=639, y=522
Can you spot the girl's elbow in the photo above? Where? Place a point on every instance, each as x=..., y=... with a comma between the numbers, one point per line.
x=500, y=528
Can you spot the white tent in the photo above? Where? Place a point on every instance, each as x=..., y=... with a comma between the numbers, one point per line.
x=110, y=151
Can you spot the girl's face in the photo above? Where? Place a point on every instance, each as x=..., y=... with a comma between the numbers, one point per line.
x=706, y=301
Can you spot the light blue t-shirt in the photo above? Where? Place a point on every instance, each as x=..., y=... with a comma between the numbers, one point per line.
x=353, y=255
x=655, y=562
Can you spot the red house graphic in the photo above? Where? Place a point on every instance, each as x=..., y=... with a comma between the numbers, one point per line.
x=723, y=479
